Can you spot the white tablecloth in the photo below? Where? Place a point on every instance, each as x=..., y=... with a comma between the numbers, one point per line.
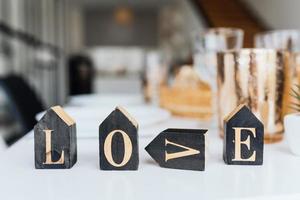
x=278, y=178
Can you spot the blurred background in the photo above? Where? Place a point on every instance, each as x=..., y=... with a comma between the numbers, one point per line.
x=51, y=50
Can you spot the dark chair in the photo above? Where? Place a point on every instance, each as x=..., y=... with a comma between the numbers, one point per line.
x=81, y=74
x=23, y=103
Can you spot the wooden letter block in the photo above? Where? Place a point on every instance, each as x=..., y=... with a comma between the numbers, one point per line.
x=179, y=149
x=243, y=138
x=55, y=144
x=118, y=141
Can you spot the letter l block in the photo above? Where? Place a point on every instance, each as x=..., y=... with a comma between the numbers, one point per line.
x=55, y=142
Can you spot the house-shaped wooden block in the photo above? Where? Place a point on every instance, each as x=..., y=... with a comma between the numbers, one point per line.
x=118, y=141
x=243, y=138
x=179, y=149
x=55, y=144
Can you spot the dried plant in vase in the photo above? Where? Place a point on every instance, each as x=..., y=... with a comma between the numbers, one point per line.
x=292, y=122
x=295, y=93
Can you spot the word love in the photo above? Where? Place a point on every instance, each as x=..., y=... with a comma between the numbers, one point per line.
x=56, y=145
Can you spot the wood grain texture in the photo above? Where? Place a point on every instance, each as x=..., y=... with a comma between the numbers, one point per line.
x=118, y=142
x=243, y=138
x=179, y=149
x=63, y=141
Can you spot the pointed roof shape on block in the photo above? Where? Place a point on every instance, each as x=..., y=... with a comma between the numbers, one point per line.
x=59, y=113
x=63, y=115
x=241, y=111
x=121, y=111
x=233, y=112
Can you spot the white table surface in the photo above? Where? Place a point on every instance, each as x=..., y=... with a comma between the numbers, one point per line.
x=278, y=178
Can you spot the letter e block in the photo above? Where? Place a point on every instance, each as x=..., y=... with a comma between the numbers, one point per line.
x=243, y=138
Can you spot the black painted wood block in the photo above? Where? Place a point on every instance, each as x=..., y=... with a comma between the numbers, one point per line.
x=55, y=142
x=243, y=138
x=179, y=149
x=118, y=141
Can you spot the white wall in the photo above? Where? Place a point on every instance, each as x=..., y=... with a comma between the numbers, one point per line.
x=177, y=22
x=193, y=20
x=75, y=23
x=278, y=14
x=102, y=29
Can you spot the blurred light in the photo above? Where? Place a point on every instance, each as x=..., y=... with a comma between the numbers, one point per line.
x=123, y=16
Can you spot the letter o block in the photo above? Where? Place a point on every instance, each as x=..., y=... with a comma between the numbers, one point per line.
x=118, y=142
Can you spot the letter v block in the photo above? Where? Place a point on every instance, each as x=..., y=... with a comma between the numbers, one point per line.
x=179, y=149
x=55, y=144
x=243, y=138
x=118, y=141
